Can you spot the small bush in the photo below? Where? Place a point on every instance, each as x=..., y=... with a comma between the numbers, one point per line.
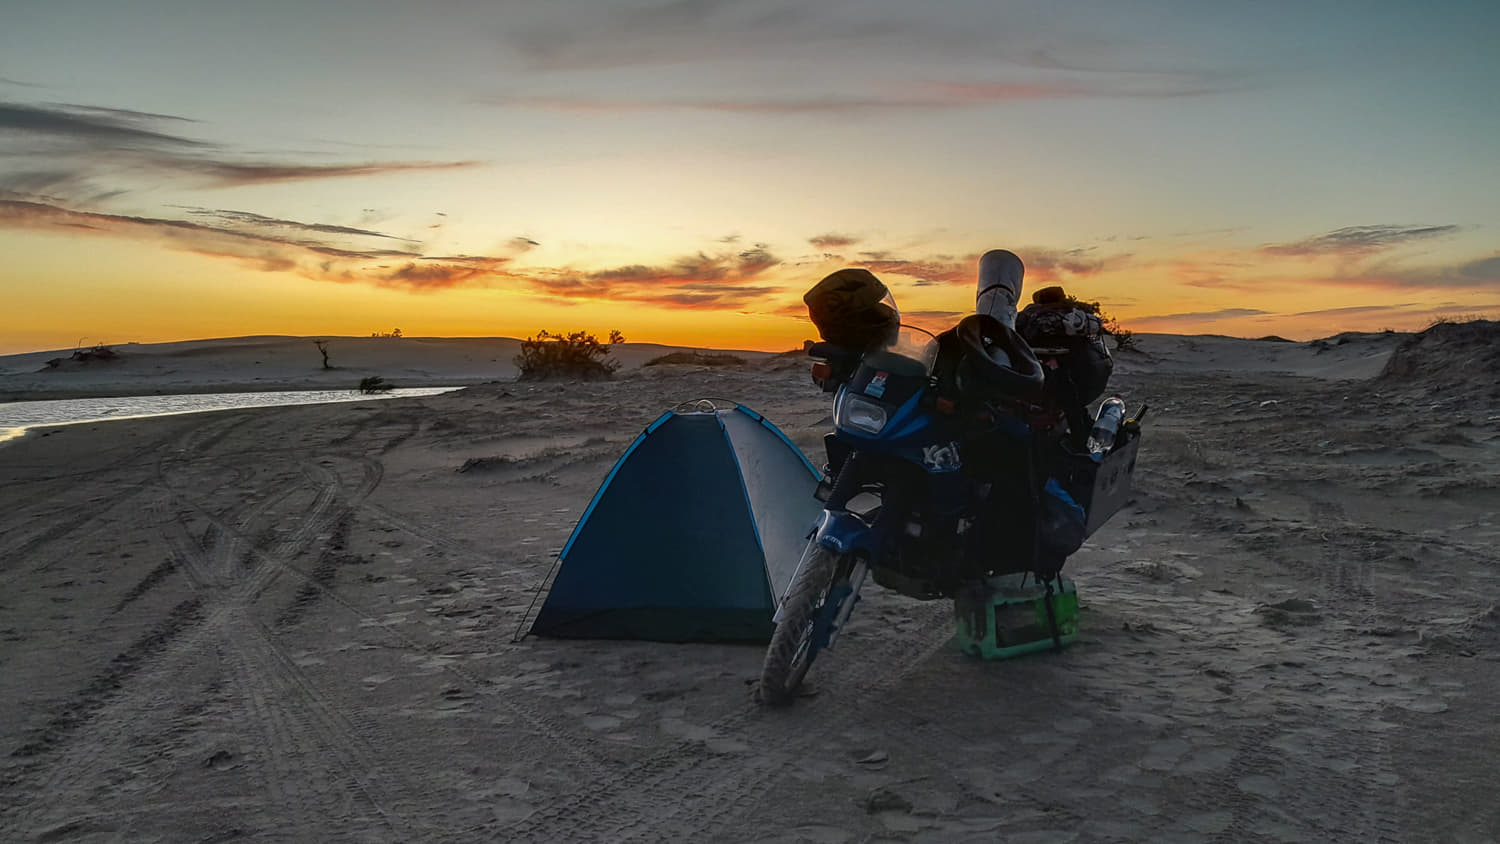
x=1124, y=337
x=99, y=353
x=575, y=355
x=374, y=384
x=696, y=359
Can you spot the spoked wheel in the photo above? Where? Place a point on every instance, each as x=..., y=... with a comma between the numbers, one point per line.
x=792, y=651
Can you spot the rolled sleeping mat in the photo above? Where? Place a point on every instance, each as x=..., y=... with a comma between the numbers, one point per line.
x=999, y=289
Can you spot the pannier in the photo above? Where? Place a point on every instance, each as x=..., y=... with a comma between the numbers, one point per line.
x=1054, y=321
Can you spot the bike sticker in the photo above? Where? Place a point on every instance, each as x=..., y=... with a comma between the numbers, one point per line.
x=942, y=458
x=876, y=387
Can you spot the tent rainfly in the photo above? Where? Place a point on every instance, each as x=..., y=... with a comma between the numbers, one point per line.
x=693, y=536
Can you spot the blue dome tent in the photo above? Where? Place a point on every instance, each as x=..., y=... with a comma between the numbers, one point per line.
x=692, y=537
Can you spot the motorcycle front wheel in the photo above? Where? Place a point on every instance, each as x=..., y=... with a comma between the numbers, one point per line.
x=791, y=651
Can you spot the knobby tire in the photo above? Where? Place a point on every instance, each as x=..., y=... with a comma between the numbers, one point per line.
x=790, y=653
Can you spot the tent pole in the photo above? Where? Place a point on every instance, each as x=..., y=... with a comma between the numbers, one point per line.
x=534, y=598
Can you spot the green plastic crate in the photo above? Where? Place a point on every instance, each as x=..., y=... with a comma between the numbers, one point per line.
x=1006, y=616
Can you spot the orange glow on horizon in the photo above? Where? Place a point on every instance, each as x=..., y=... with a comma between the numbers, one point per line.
x=63, y=289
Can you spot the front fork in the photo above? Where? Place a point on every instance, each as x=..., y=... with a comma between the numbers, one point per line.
x=850, y=538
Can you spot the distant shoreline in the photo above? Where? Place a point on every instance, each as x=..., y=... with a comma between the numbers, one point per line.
x=8, y=396
x=275, y=363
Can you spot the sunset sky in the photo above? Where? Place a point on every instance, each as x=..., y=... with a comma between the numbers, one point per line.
x=683, y=171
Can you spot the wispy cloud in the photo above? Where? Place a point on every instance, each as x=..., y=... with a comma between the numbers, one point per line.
x=924, y=271
x=1043, y=266
x=1476, y=274
x=64, y=148
x=935, y=95
x=832, y=240
x=263, y=222
x=223, y=173
x=724, y=280
x=1353, y=310
x=1361, y=240
x=684, y=31
x=94, y=126
x=436, y=273
x=261, y=242
x=998, y=43
x=1200, y=316
x=735, y=278
x=1484, y=270
x=1054, y=266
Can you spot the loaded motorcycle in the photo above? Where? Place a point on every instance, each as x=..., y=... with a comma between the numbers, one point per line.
x=950, y=463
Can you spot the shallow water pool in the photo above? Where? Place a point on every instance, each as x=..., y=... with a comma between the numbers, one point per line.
x=17, y=417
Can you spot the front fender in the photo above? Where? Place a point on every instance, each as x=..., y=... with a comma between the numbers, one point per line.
x=841, y=533
x=845, y=533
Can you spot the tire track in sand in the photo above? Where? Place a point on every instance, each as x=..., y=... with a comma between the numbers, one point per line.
x=686, y=792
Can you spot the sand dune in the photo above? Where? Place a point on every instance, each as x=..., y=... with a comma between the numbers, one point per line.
x=295, y=624
x=279, y=363
x=294, y=363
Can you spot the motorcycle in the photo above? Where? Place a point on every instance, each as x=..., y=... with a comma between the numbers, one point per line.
x=930, y=494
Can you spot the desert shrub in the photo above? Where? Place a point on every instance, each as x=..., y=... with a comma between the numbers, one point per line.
x=374, y=384
x=696, y=359
x=1451, y=319
x=575, y=355
x=1124, y=337
x=94, y=354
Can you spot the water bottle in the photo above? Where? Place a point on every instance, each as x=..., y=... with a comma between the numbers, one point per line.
x=1106, y=425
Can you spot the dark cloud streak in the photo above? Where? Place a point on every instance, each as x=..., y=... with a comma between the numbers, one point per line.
x=223, y=173
x=832, y=240
x=1361, y=240
x=932, y=96
x=99, y=126
x=247, y=217
x=1195, y=316
x=95, y=141
x=701, y=280
x=314, y=250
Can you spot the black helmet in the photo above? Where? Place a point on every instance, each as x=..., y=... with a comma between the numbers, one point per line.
x=996, y=362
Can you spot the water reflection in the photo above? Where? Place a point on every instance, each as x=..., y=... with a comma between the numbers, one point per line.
x=16, y=417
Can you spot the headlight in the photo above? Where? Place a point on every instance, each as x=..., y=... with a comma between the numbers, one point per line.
x=861, y=415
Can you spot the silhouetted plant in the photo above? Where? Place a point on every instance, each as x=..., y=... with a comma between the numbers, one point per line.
x=323, y=347
x=95, y=353
x=1124, y=337
x=698, y=359
x=575, y=355
x=374, y=384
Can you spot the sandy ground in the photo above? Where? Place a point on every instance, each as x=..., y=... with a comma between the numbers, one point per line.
x=295, y=624
x=279, y=363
